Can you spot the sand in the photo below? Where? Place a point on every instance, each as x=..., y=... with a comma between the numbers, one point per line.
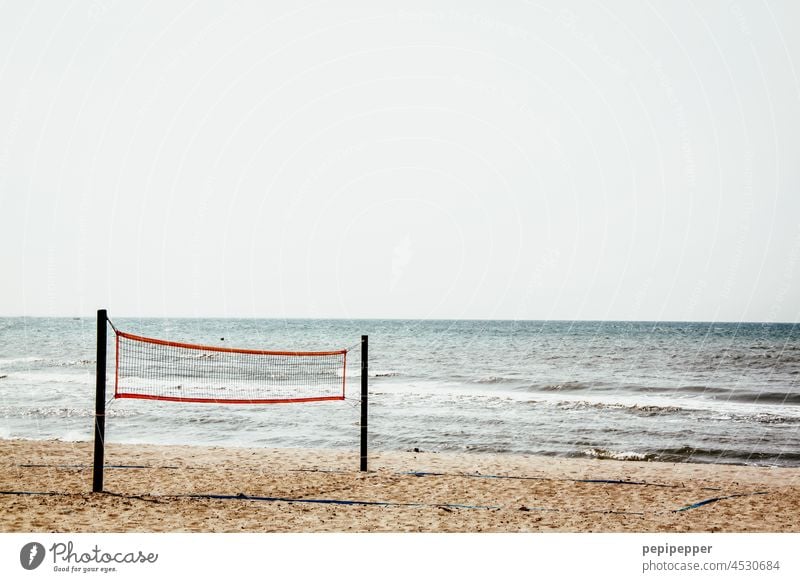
x=544, y=494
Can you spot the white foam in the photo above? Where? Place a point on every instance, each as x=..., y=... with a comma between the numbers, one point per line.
x=73, y=436
x=384, y=373
x=355, y=372
x=615, y=455
x=52, y=377
x=23, y=360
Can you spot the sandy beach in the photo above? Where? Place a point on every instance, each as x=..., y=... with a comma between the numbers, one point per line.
x=148, y=489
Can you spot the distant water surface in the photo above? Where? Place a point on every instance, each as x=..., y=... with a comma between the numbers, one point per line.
x=699, y=392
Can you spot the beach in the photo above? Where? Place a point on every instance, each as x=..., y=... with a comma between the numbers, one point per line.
x=46, y=487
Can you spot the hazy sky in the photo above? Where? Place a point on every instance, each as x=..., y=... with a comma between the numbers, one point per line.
x=516, y=160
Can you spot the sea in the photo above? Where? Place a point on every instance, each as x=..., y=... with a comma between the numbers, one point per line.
x=635, y=391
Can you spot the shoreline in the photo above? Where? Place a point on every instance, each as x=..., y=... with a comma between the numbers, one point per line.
x=158, y=488
x=600, y=455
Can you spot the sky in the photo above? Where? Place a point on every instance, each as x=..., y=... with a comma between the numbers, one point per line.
x=630, y=160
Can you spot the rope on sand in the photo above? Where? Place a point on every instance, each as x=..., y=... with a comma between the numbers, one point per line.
x=243, y=497
x=35, y=493
x=412, y=473
x=480, y=476
x=84, y=466
x=446, y=506
x=715, y=499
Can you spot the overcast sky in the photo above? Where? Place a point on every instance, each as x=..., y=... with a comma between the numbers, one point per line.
x=515, y=160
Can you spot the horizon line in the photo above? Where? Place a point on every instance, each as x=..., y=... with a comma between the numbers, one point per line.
x=501, y=319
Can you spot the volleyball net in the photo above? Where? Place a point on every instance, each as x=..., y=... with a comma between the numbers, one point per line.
x=157, y=369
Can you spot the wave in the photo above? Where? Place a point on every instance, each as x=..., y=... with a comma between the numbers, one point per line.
x=742, y=456
x=780, y=355
x=717, y=393
x=641, y=409
x=695, y=390
x=74, y=363
x=648, y=410
x=355, y=372
x=577, y=386
x=22, y=360
x=71, y=436
x=384, y=374
x=765, y=397
x=14, y=362
x=765, y=418
x=59, y=412
x=50, y=377
x=598, y=453
x=495, y=380
x=562, y=387
x=688, y=453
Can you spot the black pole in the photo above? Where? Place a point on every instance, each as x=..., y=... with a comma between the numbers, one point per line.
x=100, y=404
x=364, y=398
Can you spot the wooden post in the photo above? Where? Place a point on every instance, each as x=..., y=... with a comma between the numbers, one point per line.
x=100, y=404
x=364, y=399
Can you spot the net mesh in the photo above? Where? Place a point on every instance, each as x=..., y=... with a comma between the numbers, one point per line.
x=163, y=370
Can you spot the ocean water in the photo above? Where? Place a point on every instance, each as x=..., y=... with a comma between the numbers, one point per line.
x=682, y=392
